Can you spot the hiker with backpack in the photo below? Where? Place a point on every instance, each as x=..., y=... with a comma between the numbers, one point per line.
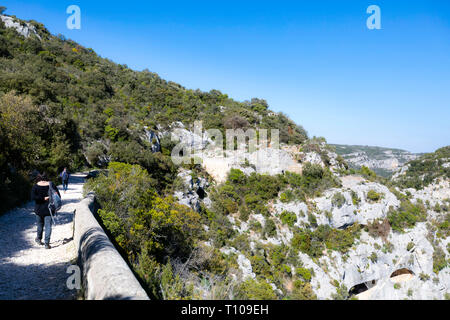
x=65, y=179
x=47, y=201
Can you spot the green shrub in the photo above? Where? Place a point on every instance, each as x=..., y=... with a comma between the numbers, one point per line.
x=439, y=260
x=313, y=171
x=367, y=173
x=341, y=292
x=312, y=219
x=288, y=218
x=236, y=176
x=277, y=255
x=172, y=286
x=287, y=196
x=340, y=240
x=160, y=167
x=374, y=196
x=124, y=188
x=338, y=200
x=424, y=276
x=116, y=226
x=302, y=291
x=241, y=243
x=443, y=227
x=406, y=216
x=355, y=199
x=255, y=226
x=220, y=228
x=317, y=179
x=410, y=246
x=270, y=230
x=304, y=273
x=244, y=213
x=398, y=194
x=250, y=193
x=285, y=269
x=437, y=208
x=255, y=290
x=387, y=247
x=284, y=197
x=324, y=237
x=260, y=266
x=341, y=161
x=133, y=210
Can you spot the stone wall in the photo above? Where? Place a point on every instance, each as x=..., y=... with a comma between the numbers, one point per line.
x=106, y=275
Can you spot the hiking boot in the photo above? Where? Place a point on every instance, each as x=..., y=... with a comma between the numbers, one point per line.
x=38, y=241
x=47, y=246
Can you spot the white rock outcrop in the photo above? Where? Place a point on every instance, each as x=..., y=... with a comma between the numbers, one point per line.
x=193, y=193
x=398, y=269
x=25, y=30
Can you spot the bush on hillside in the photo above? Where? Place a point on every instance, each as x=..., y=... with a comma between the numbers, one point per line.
x=406, y=216
x=255, y=290
x=324, y=237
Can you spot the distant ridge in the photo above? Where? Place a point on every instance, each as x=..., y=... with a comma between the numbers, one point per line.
x=384, y=161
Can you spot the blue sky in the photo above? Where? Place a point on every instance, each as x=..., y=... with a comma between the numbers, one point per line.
x=313, y=60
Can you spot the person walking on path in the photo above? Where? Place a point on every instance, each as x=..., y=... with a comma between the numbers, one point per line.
x=65, y=179
x=40, y=194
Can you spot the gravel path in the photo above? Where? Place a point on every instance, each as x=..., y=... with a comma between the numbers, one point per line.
x=28, y=270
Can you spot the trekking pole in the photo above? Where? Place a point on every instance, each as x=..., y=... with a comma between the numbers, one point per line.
x=51, y=215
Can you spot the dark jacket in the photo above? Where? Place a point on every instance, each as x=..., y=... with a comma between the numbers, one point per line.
x=67, y=176
x=38, y=194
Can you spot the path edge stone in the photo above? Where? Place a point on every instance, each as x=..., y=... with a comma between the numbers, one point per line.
x=106, y=275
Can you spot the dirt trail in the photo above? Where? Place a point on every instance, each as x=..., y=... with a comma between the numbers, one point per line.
x=28, y=270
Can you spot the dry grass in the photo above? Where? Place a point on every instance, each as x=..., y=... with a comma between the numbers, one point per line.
x=379, y=228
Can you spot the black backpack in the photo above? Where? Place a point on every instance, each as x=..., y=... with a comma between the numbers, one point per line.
x=55, y=202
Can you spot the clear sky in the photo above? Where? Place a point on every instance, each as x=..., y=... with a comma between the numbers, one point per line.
x=313, y=60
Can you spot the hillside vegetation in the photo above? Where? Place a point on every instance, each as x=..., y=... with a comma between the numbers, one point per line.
x=423, y=171
x=305, y=227
x=63, y=105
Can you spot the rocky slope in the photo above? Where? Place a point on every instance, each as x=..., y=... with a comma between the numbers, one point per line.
x=265, y=159
x=382, y=263
x=23, y=28
x=384, y=161
x=326, y=232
